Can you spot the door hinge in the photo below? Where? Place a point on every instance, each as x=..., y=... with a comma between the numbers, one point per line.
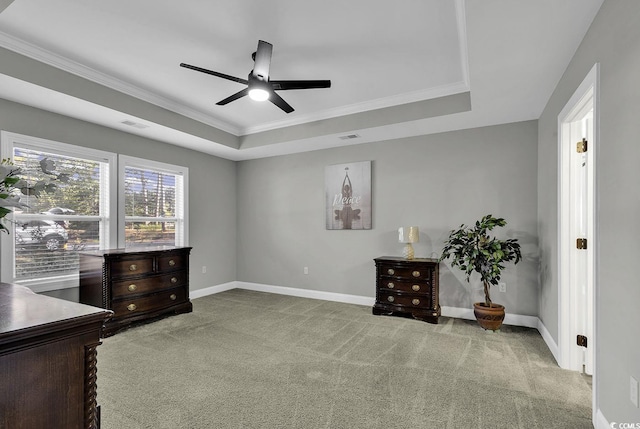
x=582, y=341
x=581, y=243
x=581, y=147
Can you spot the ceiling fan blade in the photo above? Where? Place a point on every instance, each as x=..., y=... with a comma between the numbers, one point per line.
x=233, y=97
x=279, y=101
x=283, y=85
x=262, y=60
x=222, y=75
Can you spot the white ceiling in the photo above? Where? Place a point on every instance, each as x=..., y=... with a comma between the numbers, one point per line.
x=509, y=54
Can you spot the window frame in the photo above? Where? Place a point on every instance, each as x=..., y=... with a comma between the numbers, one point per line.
x=108, y=215
x=182, y=196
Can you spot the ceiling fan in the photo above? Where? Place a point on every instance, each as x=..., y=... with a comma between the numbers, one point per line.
x=259, y=86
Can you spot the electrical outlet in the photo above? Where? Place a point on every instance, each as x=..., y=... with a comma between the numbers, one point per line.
x=502, y=286
x=633, y=391
x=306, y=270
x=204, y=269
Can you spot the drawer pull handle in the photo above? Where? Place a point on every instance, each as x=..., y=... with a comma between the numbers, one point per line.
x=391, y=271
x=416, y=288
x=172, y=262
x=132, y=287
x=390, y=299
x=416, y=274
x=174, y=280
x=390, y=285
x=415, y=301
x=133, y=267
x=131, y=307
x=173, y=297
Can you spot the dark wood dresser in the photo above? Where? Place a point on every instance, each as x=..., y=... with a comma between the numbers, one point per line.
x=407, y=288
x=48, y=361
x=139, y=285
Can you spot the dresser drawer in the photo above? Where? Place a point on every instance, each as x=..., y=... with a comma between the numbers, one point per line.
x=400, y=272
x=134, y=306
x=172, y=262
x=408, y=301
x=417, y=287
x=407, y=288
x=132, y=267
x=140, y=285
x=147, y=285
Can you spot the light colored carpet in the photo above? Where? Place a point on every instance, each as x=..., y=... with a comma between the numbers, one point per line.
x=248, y=359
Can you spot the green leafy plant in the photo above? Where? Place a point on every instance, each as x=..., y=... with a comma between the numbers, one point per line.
x=12, y=186
x=473, y=249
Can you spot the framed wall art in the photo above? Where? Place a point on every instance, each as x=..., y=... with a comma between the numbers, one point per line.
x=348, y=195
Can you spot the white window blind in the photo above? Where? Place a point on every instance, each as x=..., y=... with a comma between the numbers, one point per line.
x=152, y=203
x=46, y=236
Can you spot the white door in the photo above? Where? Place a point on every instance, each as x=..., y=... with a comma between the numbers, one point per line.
x=577, y=239
x=580, y=281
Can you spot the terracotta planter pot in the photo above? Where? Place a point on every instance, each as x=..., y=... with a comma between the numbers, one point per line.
x=489, y=318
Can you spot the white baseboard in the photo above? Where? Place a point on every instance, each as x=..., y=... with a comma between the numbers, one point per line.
x=509, y=319
x=600, y=421
x=521, y=320
x=548, y=339
x=455, y=312
x=306, y=293
x=211, y=290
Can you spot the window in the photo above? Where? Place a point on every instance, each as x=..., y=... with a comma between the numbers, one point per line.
x=152, y=203
x=140, y=203
x=42, y=248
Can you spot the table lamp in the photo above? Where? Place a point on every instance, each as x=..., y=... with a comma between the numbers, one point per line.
x=408, y=235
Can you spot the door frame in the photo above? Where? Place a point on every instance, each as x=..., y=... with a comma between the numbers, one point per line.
x=587, y=92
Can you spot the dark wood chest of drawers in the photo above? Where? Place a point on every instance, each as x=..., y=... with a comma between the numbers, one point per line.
x=137, y=285
x=48, y=361
x=407, y=288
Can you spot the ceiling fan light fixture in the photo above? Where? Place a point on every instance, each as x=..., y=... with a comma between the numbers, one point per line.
x=259, y=86
x=258, y=94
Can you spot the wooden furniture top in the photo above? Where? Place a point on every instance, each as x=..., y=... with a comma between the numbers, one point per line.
x=25, y=315
x=401, y=259
x=132, y=250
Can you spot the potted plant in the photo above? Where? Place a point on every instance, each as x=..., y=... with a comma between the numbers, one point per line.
x=473, y=249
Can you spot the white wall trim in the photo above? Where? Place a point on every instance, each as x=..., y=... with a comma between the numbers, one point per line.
x=588, y=91
x=282, y=290
x=548, y=339
x=44, y=56
x=510, y=319
x=212, y=290
x=600, y=422
x=307, y=293
x=455, y=312
x=365, y=106
x=58, y=61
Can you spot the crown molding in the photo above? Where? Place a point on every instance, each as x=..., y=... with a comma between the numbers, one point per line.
x=380, y=103
x=441, y=91
x=42, y=55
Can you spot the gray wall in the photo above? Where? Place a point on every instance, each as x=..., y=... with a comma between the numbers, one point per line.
x=436, y=182
x=613, y=40
x=212, y=183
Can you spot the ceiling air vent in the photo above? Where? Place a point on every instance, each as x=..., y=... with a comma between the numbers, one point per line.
x=135, y=124
x=349, y=137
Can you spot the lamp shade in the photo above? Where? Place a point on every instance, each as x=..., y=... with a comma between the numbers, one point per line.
x=408, y=234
